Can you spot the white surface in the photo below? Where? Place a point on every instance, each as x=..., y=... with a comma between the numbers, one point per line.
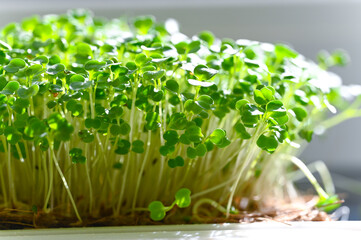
x=308, y=25
x=296, y=230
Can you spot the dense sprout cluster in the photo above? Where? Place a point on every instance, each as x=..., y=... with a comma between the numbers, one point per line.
x=104, y=115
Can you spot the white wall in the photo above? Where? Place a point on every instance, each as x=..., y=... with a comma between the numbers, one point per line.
x=308, y=26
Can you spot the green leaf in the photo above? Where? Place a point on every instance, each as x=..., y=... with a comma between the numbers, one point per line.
x=4, y=45
x=281, y=120
x=171, y=137
x=207, y=36
x=20, y=105
x=115, y=112
x=3, y=82
x=300, y=113
x=138, y=146
x=60, y=126
x=34, y=69
x=176, y=162
x=153, y=75
x=55, y=59
x=200, y=83
x=194, y=46
x=157, y=96
x=282, y=51
x=201, y=149
x=115, y=130
x=202, y=72
x=268, y=93
x=118, y=165
x=241, y=130
x=340, y=58
x=144, y=23
x=84, y=50
x=178, y=121
x=79, y=159
x=217, y=136
x=41, y=60
x=74, y=107
x=241, y=103
x=13, y=136
x=306, y=134
x=124, y=128
x=123, y=147
x=172, y=85
x=184, y=139
x=194, y=133
x=328, y=204
x=15, y=65
x=157, y=210
x=94, y=65
x=76, y=86
x=152, y=121
x=228, y=63
x=191, y=152
x=141, y=59
x=25, y=92
x=92, y=123
x=205, y=102
x=43, y=31
x=249, y=120
x=55, y=69
x=251, y=63
x=10, y=88
x=182, y=198
x=77, y=78
x=263, y=95
x=259, y=98
x=267, y=143
x=119, y=100
x=172, y=163
x=276, y=108
x=191, y=106
x=131, y=66
x=86, y=136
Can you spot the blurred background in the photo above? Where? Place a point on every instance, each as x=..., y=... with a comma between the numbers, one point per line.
x=307, y=25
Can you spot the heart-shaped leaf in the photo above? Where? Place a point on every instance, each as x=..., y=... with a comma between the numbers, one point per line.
x=267, y=143
x=15, y=65
x=25, y=92
x=55, y=69
x=94, y=65
x=203, y=72
x=157, y=210
x=182, y=197
x=10, y=88
x=143, y=24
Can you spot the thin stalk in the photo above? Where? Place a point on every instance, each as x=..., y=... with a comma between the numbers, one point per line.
x=209, y=190
x=308, y=174
x=125, y=174
x=345, y=115
x=3, y=187
x=51, y=183
x=140, y=174
x=325, y=175
x=132, y=112
x=55, y=161
x=209, y=201
x=247, y=161
x=46, y=179
x=89, y=180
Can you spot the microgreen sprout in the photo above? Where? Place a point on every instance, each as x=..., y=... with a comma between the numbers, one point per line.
x=115, y=116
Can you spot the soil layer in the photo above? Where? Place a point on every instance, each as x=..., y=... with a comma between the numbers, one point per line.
x=18, y=219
